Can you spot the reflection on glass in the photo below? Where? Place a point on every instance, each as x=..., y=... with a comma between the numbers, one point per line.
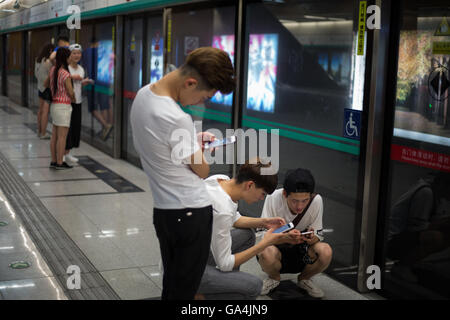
x=105, y=71
x=423, y=86
x=323, y=61
x=13, y=66
x=262, y=72
x=225, y=43
x=419, y=226
x=156, y=61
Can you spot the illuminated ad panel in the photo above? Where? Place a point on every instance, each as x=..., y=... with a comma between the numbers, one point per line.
x=105, y=66
x=262, y=72
x=156, y=61
x=225, y=43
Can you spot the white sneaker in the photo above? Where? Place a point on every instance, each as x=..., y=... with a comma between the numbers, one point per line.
x=46, y=136
x=71, y=158
x=269, y=285
x=312, y=289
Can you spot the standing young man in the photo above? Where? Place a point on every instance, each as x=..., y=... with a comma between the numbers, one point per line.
x=182, y=212
x=309, y=257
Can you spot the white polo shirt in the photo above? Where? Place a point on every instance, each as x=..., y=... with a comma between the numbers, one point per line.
x=163, y=151
x=276, y=205
x=225, y=214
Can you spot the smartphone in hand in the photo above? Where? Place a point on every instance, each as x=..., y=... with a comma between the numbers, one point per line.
x=218, y=143
x=285, y=228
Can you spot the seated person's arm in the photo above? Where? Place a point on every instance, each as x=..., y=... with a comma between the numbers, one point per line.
x=221, y=242
x=248, y=223
x=268, y=240
x=316, y=211
x=253, y=223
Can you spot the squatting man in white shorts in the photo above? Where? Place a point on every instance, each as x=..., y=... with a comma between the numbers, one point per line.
x=310, y=255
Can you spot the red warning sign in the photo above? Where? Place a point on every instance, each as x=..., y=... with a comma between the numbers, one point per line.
x=422, y=158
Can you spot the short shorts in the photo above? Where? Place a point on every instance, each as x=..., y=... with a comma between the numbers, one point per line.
x=46, y=95
x=61, y=114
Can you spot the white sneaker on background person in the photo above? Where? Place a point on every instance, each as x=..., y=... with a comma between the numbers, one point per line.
x=268, y=285
x=46, y=136
x=71, y=158
x=310, y=287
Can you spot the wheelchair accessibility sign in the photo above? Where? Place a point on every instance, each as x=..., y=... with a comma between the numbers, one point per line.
x=352, y=124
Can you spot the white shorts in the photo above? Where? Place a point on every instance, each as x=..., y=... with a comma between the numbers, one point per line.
x=61, y=113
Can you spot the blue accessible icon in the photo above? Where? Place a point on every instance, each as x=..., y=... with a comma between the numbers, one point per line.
x=352, y=124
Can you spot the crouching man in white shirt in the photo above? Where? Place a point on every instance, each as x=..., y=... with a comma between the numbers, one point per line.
x=233, y=241
x=310, y=256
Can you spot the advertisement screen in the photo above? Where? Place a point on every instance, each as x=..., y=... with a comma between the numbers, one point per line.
x=105, y=62
x=225, y=43
x=156, y=61
x=262, y=72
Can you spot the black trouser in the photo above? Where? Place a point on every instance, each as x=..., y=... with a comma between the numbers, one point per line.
x=184, y=239
x=73, y=135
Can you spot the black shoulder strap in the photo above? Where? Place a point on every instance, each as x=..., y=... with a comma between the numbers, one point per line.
x=300, y=216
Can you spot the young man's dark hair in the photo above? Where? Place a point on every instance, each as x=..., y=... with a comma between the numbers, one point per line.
x=299, y=180
x=62, y=38
x=252, y=172
x=212, y=67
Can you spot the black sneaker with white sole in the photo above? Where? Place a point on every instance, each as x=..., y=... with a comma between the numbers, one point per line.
x=63, y=166
x=52, y=165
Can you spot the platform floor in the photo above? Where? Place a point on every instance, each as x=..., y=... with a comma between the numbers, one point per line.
x=97, y=215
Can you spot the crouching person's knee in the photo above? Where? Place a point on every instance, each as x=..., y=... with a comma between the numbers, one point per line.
x=268, y=254
x=254, y=287
x=324, y=252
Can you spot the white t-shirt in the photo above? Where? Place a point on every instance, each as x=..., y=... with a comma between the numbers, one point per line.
x=41, y=70
x=276, y=205
x=225, y=214
x=154, y=122
x=77, y=83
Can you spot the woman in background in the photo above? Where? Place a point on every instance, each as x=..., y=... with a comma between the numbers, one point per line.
x=61, y=108
x=41, y=69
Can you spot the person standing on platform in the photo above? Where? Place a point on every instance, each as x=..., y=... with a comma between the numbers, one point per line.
x=60, y=109
x=171, y=154
x=77, y=74
x=41, y=69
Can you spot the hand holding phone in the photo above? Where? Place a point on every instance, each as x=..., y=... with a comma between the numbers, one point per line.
x=218, y=143
x=308, y=234
x=285, y=228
